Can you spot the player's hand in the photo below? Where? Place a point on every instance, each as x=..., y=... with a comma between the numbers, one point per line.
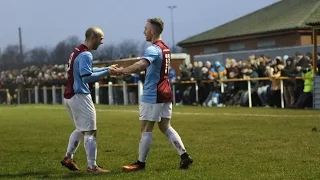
x=114, y=66
x=116, y=71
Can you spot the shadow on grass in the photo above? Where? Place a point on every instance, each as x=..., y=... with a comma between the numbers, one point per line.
x=50, y=175
x=88, y=175
x=37, y=175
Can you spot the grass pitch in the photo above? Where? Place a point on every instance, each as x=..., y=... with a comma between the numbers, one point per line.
x=225, y=143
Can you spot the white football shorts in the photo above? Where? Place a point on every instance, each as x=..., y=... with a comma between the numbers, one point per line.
x=82, y=112
x=154, y=112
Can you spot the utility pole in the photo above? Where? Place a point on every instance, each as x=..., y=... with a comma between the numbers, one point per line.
x=20, y=44
x=172, y=27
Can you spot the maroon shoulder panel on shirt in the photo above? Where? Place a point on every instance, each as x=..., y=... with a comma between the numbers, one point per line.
x=69, y=91
x=164, y=93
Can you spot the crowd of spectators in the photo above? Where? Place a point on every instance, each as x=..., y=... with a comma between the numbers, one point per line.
x=30, y=77
x=297, y=91
x=55, y=75
x=208, y=76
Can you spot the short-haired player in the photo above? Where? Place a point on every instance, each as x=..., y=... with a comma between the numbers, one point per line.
x=156, y=102
x=79, y=102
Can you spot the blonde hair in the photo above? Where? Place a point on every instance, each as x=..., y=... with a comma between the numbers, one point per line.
x=157, y=24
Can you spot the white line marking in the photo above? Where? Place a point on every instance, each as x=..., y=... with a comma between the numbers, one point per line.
x=189, y=113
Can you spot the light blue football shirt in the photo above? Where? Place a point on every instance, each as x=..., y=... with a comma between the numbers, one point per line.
x=82, y=67
x=154, y=55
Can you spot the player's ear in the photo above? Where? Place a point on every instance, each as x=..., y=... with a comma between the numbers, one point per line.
x=93, y=36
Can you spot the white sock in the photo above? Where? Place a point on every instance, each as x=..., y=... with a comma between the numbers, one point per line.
x=175, y=140
x=90, y=146
x=74, y=142
x=144, y=146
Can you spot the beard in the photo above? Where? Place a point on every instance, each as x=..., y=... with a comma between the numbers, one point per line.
x=148, y=38
x=95, y=47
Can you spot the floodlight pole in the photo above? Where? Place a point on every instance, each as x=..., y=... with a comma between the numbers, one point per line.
x=172, y=26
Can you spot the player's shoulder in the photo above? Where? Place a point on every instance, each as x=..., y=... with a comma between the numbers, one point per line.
x=153, y=49
x=85, y=55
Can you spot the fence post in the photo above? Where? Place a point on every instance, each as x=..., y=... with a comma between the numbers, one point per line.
x=18, y=96
x=173, y=93
x=222, y=87
x=54, y=95
x=36, y=95
x=281, y=91
x=96, y=90
x=29, y=96
x=249, y=93
x=110, y=92
x=125, y=93
x=8, y=96
x=140, y=90
x=45, y=97
x=197, y=92
x=62, y=94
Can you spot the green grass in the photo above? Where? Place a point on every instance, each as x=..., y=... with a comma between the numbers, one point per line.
x=225, y=143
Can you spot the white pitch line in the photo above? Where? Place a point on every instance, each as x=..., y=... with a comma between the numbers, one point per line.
x=214, y=114
x=193, y=114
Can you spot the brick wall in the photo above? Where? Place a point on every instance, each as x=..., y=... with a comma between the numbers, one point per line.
x=307, y=39
x=293, y=39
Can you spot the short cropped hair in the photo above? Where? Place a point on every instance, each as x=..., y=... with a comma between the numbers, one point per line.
x=157, y=24
x=92, y=31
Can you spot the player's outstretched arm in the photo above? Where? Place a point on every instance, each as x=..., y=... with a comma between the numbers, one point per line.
x=104, y=68
x=94, y=76
x=99, y=69
x=86, y=71
x=136, y=67
x=150, y=55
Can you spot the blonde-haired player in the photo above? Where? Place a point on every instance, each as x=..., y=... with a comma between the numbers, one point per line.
x=156, y=103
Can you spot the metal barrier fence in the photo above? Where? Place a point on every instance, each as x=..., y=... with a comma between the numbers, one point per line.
x=120, y=94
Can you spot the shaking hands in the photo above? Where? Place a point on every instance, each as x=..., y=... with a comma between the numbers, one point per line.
x=115, y=70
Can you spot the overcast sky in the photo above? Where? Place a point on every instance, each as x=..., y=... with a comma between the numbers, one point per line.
x=45, y=23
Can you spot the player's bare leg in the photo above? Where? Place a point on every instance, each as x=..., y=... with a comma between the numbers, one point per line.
x=175, y=139
x=74, y=142
x=144, y=147
x=90, y=146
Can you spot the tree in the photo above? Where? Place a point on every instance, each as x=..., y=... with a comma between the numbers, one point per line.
x=128, y=48
x=37, y=55
x=11, y=57
x=106, y=52
x=144, y=45
x=63, y=49
x=125, y=49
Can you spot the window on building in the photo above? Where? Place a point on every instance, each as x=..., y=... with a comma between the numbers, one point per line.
x=208, y=50
x=237, y=46
x=265, y=43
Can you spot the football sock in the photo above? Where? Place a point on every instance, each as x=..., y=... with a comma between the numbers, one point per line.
x=175, y=140
x=74, y=142
x=90, y=146
x=144, y=146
